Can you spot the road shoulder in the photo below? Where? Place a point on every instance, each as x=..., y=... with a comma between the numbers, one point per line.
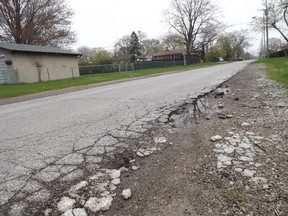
x=241, y=172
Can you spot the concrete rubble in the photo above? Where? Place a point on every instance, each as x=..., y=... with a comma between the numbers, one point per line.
x=103, y=185
x=238, y=152
x=126, y=194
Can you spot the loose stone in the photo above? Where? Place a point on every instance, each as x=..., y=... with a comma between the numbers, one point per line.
x=220, y=105
x=238, y=169
x=112, y=187
x=102, y=204
x=116, y=181
x=160, y=140
x=216, y=138
x=115, y=174
x=132, y=161
x=245, y=124
x=65, y=204
x=224, y=159
x=249, y=173
x=222, y=116
x=123, y=169
x=80, y=185
x=135, y=168
x=75, y=212
x=126, y=194
x=140, y=154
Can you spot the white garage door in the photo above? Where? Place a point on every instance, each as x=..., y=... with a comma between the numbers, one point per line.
x=4, y=76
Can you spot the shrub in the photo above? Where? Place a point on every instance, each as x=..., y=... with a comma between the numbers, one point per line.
x=278, y=54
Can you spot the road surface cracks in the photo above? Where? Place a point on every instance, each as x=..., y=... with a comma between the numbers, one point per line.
x=42, y=190
x=30, y=194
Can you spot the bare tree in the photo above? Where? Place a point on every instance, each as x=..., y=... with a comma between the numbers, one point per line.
x=173, y=41
x=149, y=47
x=121, y=47
x=142, y=36
x=189, y=17
x=275, y=44
x=278, y=16
x=37, y=22
x=86, y=54
x=208, y=35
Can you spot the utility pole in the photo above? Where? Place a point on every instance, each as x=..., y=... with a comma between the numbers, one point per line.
x=267, y=31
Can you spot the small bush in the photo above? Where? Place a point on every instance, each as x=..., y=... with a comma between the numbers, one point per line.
x=235, y=197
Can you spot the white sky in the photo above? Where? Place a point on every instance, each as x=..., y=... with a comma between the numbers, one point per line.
x=99, y=23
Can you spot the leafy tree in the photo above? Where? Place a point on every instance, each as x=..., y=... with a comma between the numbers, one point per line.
x=37, y=22
x=99, y=56
x=188, y=17
x=248, y=56
x=134, y=47
x=215, y=52
x=234, y=44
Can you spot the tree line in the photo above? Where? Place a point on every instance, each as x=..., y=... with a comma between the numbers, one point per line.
x=194, y=26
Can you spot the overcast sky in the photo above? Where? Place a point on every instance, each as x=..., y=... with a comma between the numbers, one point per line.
x=99, y=23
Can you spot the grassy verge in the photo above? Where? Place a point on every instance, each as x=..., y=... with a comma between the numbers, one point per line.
x=277, y=69
x=12, y=90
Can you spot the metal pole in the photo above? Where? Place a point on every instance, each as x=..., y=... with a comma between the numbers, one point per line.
x=48, y=74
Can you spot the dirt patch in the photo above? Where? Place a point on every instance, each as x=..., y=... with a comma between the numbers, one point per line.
x=241, y=173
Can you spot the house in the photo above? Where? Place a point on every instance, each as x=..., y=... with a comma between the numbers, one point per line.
x=169, y=55
x=177, y=55
x=21, y=63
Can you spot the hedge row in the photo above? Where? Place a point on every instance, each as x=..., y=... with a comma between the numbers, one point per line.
x=278, y=54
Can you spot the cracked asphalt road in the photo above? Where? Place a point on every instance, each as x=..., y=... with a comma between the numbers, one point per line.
x=55, y=140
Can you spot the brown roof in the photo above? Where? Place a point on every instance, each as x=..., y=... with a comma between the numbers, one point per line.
x=170, y=52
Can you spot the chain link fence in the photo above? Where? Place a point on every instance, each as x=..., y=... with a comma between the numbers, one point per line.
x=112, y=68
x=30, y=75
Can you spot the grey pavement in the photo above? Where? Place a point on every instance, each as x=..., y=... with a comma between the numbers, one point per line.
x=54, y=140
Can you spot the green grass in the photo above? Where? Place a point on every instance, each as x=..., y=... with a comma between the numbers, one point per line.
x=13, y=90
x=277, y=69
x=235, y=197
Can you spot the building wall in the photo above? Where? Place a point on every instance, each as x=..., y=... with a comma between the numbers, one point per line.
x=172, y=57
x=44, y=67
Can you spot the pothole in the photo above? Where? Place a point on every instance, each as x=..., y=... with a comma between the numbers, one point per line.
x=191, y=113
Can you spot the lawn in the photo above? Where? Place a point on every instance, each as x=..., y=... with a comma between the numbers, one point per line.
x=277, y=69
x=13, y=90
